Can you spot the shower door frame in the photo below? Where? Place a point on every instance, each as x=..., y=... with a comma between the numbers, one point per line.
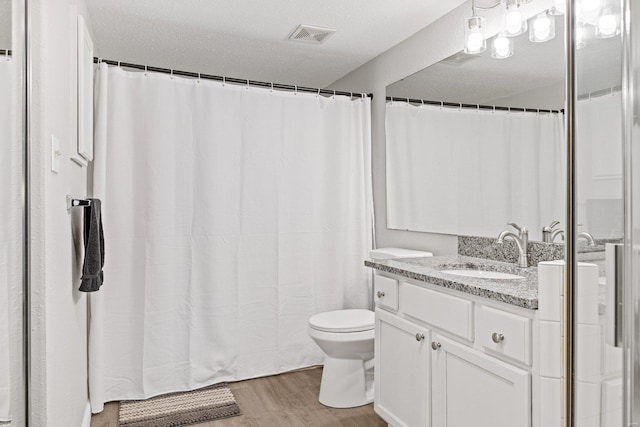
x=631, y=206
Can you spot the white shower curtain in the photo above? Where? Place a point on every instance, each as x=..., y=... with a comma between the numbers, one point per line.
x=600, y=157
x=7, y=229
x=469, y=172
x=231, y=215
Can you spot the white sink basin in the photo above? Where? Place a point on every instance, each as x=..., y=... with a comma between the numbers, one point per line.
x=482, y=274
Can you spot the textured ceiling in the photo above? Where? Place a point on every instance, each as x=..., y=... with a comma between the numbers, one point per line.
x=247, y=38
x=481, y=79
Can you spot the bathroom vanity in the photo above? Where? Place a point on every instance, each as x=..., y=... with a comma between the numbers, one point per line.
x=458, y=351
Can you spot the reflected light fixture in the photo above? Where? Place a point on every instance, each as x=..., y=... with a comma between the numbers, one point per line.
x=543, y=28
x=474, y=39
x=502, y=47
x=580, y=37
x=607, y=24
x=559, y=7
x=589, y=11
x=514, y=22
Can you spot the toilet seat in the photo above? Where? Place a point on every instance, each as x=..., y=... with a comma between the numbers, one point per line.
x=341, y=321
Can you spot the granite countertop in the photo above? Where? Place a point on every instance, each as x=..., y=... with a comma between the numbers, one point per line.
x=518, y=292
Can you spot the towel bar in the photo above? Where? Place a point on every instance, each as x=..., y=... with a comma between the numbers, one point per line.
x=73, y=203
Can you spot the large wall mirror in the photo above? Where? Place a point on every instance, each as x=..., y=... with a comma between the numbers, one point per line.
x=475, y=141
x=12, y=193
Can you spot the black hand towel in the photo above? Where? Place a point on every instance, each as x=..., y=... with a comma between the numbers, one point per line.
x=92, y=276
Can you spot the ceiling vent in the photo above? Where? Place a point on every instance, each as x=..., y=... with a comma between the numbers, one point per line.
x=459, y=58
x=311, y=34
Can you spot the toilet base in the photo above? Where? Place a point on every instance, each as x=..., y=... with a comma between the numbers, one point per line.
x=346, y=383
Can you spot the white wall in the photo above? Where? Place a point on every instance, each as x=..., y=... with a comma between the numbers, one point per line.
x=59, y=311
x=545, y=97
x=434, y=43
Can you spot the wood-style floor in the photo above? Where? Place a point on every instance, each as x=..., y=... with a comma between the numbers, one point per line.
x=285, y=400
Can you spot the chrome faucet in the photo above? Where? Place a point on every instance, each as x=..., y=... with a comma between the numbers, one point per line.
x=588, y=237
x=521, y=239
x=549, y=234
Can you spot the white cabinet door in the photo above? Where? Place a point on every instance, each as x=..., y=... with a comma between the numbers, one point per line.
x=473, y=389
x=402, y=365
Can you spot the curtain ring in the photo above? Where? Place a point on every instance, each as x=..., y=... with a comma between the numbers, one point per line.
x=494, y=109
x=199, y=76
x=224, y=81
x=318, y=94
x=247, y=86
x=334, y=94
x=460, y=106
x=295, y=89
x=118, y=64
x=441, y=105
x=363, y=96
x=509, y=110
x=271, y=86
x=145, y=70
x=477, y=108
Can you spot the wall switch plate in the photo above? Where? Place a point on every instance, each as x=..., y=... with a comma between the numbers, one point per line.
x=55, y=154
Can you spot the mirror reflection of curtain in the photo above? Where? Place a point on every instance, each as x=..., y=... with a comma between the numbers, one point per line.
x=6, y=230
x=469, y=172
x=599, y=157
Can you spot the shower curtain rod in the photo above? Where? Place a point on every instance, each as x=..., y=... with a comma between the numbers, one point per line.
x=233, y=80
x=472, y=106
x=602, y=92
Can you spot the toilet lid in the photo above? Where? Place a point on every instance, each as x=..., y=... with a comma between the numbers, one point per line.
x=343, y=321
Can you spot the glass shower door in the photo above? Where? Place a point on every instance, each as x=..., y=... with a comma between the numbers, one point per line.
x=602, y=310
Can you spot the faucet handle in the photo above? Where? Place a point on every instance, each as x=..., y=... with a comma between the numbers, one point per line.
x=514, y=225
x=551, y=226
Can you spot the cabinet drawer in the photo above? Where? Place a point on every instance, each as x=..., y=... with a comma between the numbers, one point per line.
x=452, y=314
x=386, y=292
x=505, y=333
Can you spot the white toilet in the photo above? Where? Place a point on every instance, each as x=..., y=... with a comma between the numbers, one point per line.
x=346, y=337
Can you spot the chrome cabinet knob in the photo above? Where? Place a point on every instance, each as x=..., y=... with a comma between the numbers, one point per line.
x=419, y=336
x=380, y=294
x=497, y=338
x=435, y=345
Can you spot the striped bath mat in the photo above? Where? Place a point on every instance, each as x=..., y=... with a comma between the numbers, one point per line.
x=180, y=409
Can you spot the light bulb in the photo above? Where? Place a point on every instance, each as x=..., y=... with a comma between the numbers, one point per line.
x=543, y=28
x=513, y=22
x=501, y=47
x=607, y=25
x=589, y=11
x=474, y=38
x=475, y=42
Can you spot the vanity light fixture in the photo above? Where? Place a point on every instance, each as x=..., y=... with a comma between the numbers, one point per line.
x=502, y=47
x=607, y=24
x=543, y=28
x=474, y=39
x=514, y=22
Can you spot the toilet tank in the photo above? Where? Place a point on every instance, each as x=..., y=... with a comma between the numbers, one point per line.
x=391, y=253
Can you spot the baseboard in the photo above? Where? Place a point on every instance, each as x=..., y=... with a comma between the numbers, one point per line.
x=86, y=418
